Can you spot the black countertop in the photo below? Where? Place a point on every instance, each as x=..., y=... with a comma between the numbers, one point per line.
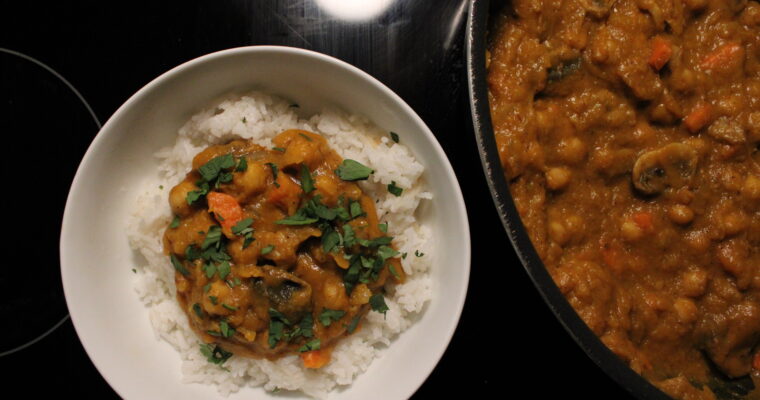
x=507, y=339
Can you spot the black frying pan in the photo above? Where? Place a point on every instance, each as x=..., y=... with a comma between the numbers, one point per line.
x=477, y=25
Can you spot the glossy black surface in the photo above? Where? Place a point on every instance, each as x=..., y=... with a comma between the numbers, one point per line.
x=507, y=340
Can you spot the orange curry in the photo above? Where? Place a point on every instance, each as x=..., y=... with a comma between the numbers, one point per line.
x=277, y=251
x=629, y=134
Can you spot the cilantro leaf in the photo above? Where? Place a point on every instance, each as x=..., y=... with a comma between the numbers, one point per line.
x=353, y=324
x=215, y=354
x=350, y=170
x=377, y=302
x=328, y=316
x=210, y=170
x=224, y=269
x=394, y=136
x=175, y=222
x=266, y=250
x=307, y=182
x=395, y=190
x=310, y=345
x=178, y=265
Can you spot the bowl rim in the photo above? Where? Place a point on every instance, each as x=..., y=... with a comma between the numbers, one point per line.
x=457, y=200
x=601, y=355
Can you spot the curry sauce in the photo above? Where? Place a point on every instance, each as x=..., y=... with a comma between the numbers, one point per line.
x=629, y=132
x=277, y=251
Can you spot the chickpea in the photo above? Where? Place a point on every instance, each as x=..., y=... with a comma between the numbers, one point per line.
x=251, y=181
x=572, y=150
x=751, y=188
x=680, y=214
x=698, y=241
x=557, y=178
x=734, y=222
x=558, y=233
x=631, y=231
x=685, y=309
x=694, y=282
x=178, y=198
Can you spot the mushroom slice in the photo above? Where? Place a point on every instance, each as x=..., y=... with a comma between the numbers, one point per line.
x=672, y=165
x=286, y=292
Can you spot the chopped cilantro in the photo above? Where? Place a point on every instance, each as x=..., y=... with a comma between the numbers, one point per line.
x=244, y=120
x=243, y=227
x=266, y=250
x=211, y=170
x=305, y=136
x=351, y=327
x=377, y=302
x=178, y=265
x=275, y=171
x=383, y=227
x=215, y=354
x=223, y=269
x=229, y=307
x=280, y=149
x=328, y=316
x=418, y=253
x=331, y=239
x=206, y=287
x=242, y=164
x=213, y=237
x=214, y=300
x=394, y=136
x=310, y=345
x=395, y=190
x=393, y=271
x=175, y=222
x=355, y=208
x=350, y=170
x=209, y=269
x=307, y=182
x=226, y=329
x=198, y=310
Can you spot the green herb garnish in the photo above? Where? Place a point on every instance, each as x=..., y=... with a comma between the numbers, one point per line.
x=377, y=302
x=394, y=136
x=383, y=227
x=328, y=316
x=215, y=354
x=310, y=345
x=418, y=253
x=395, y=190
x=350, y=170
x=198, y=310
x=178, y=265
x=267, y=249
x=275, y=171
x=351, y=327
x=280, y=149
x=223, y=269
x=227, y=330
x=175, y=222
x=307, y=182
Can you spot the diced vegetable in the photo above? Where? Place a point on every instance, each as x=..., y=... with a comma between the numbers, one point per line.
x=722, y=56
x=227, y=210
x=315, y=358
x=698, y=118
x=644, y=220
x=662, y=50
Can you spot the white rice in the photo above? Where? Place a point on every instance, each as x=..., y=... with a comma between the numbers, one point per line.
x=352, y=137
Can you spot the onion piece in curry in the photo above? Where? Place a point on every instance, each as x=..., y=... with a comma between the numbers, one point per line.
x=277, y=251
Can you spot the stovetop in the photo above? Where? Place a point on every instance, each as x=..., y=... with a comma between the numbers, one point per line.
x=65, y=68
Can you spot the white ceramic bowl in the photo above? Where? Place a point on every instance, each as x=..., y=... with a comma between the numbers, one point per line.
x=96, y=259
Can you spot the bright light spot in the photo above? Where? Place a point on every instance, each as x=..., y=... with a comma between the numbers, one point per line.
x=354, y=10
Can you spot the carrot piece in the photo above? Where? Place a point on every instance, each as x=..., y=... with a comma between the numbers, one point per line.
x=226, y=209
x=285, y=193
x=662, y=50
x=722, y=56
x=644, y=220
x=315, y=358
x=699, y=117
